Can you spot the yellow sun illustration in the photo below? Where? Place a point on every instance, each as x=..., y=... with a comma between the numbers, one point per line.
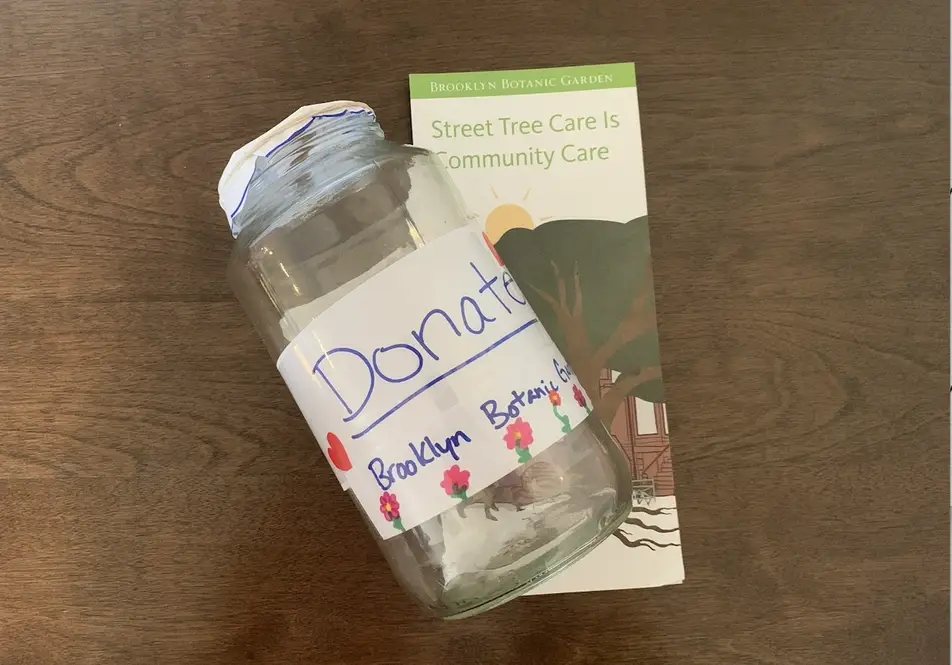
x=507, y=216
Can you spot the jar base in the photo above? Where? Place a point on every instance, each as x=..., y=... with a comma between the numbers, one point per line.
x=531, y=524
x=600, y=531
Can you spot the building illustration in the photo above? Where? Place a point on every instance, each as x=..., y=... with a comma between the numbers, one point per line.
x=641, y=430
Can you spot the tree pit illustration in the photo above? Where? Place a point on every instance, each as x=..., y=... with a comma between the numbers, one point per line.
x=626, y=538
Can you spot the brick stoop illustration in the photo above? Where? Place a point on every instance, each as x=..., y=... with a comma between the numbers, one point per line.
x=641, y=430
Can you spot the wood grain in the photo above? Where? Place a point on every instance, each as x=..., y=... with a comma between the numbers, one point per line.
x=162, y=501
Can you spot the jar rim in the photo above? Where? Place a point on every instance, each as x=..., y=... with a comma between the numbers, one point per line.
x=238, y=174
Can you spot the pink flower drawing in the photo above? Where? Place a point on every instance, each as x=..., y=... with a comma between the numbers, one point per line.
x=455, y=482
x=518, y=437
x=518, y=434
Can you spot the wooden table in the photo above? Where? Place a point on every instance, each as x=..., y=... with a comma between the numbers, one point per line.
x=161, y=501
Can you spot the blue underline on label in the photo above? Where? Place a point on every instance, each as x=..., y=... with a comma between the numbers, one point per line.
x=432, y=382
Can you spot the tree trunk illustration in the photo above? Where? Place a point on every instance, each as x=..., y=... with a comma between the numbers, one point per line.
x=586, y=360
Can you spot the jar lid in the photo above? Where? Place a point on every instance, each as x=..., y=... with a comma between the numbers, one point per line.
x=237, y=176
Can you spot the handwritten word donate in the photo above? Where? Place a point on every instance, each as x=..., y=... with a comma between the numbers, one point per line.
x=446, y=339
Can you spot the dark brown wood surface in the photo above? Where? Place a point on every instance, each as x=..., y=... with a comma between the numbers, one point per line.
x=161, y=501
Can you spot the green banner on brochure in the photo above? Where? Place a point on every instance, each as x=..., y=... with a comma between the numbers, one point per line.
x=522, y=81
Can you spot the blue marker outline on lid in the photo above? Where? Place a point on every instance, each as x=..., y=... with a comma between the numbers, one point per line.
x=294, y=135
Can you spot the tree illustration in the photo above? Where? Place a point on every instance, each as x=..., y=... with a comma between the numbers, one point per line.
x=590, y=283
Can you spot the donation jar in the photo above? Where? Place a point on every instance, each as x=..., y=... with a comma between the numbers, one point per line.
x=441, y=403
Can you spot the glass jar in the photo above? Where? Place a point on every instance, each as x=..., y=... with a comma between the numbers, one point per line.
x=443, y=406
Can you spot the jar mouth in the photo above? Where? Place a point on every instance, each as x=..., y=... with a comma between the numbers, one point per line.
x=328, y=124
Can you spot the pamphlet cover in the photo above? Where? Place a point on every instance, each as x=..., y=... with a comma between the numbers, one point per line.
x=550, y=161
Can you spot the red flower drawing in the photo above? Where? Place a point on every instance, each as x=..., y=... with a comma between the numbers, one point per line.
x=455, y=482
x=579, y=396
x=518, y=434
x=390, y=508
x=555, y=398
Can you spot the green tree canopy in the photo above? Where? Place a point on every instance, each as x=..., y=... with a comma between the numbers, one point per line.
x=590, y=283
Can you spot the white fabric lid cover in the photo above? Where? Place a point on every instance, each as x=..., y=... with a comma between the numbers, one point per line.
x=235, y=179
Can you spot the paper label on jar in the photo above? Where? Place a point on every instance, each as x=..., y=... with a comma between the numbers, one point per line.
x=431, y=381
